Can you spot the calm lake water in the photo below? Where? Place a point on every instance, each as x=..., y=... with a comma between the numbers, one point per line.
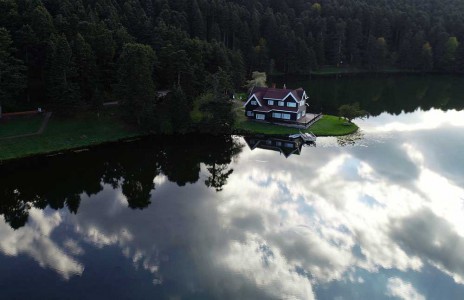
x=376, y=215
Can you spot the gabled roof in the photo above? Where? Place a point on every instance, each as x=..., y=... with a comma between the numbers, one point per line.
x=251, y=98
x=264, y=93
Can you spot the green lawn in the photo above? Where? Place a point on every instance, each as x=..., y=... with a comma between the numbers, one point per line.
x=332, y=126
x=327, y=126
x=61, y=134
x=20, y=125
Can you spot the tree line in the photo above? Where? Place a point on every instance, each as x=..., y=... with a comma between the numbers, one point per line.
x=68, y=54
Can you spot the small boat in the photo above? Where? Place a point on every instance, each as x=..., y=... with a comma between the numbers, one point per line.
x=306, y=137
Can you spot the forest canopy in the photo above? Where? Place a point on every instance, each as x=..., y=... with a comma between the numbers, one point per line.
x=65, y=53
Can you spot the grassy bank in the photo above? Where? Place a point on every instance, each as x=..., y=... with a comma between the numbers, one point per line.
x=327, y=126
x=20, y=125
x=89, y=129
x=81, y=131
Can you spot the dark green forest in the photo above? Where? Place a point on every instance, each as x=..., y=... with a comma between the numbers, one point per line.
x=65, y=54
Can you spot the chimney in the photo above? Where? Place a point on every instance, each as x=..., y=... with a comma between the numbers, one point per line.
x=285, y=86
x=273, y=85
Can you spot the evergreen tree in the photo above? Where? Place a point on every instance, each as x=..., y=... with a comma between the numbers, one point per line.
x=42, y=23
x=12, y=79
x=61, y=90
x=179, y=109
x=319, y=49
x=135, y=88
x=197, y=24
x=85, y=63
x=376, y=52
x=354, y=41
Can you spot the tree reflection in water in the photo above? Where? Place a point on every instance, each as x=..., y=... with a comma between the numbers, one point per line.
x=60, y=181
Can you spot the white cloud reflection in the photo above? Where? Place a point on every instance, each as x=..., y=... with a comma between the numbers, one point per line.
x=34, y=240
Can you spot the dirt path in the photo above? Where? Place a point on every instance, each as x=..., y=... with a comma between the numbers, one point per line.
x=44, y=123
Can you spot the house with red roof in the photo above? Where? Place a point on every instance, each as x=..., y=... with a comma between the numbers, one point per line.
x=276, y=105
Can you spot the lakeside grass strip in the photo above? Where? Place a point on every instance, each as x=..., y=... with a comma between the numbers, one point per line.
x=20, y=126
x=327, y=126
x=88, y=129
x=65, y=134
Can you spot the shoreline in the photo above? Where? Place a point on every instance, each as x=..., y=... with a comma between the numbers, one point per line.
x=335, y=72
x=327, y=126
x=71, y=150
x=64, y=142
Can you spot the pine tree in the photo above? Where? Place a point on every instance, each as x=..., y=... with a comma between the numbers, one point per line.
x=12, y=79
x=197, y=23
x=179, y=109
x=42, y=23
x=61, y=90
x=85, y=63
x=135, y=89
x=354, y=40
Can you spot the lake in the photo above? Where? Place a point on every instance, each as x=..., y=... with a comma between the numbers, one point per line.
x=375, y=215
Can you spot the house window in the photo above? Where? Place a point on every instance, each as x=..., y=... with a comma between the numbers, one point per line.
x=277, y=115
x=299, y=115
x=254, y=102
x=286, y=116
x=270, y=102
x=250, y=114
x=279, y=144
x=269, y=142
x=303, y=113
x=281, y=103
x=291, y=104
x=288, y=145
x=302, y=103
x=260, y=117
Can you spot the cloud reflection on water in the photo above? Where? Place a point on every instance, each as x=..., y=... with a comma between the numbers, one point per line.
x=35, y=241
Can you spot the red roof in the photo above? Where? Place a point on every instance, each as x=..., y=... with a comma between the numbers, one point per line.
x=277, y=94
x=263, y=94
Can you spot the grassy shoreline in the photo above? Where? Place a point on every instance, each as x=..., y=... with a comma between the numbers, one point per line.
x=20, y=126
x=327, y=126
x=90, y=129
x=65, y=134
